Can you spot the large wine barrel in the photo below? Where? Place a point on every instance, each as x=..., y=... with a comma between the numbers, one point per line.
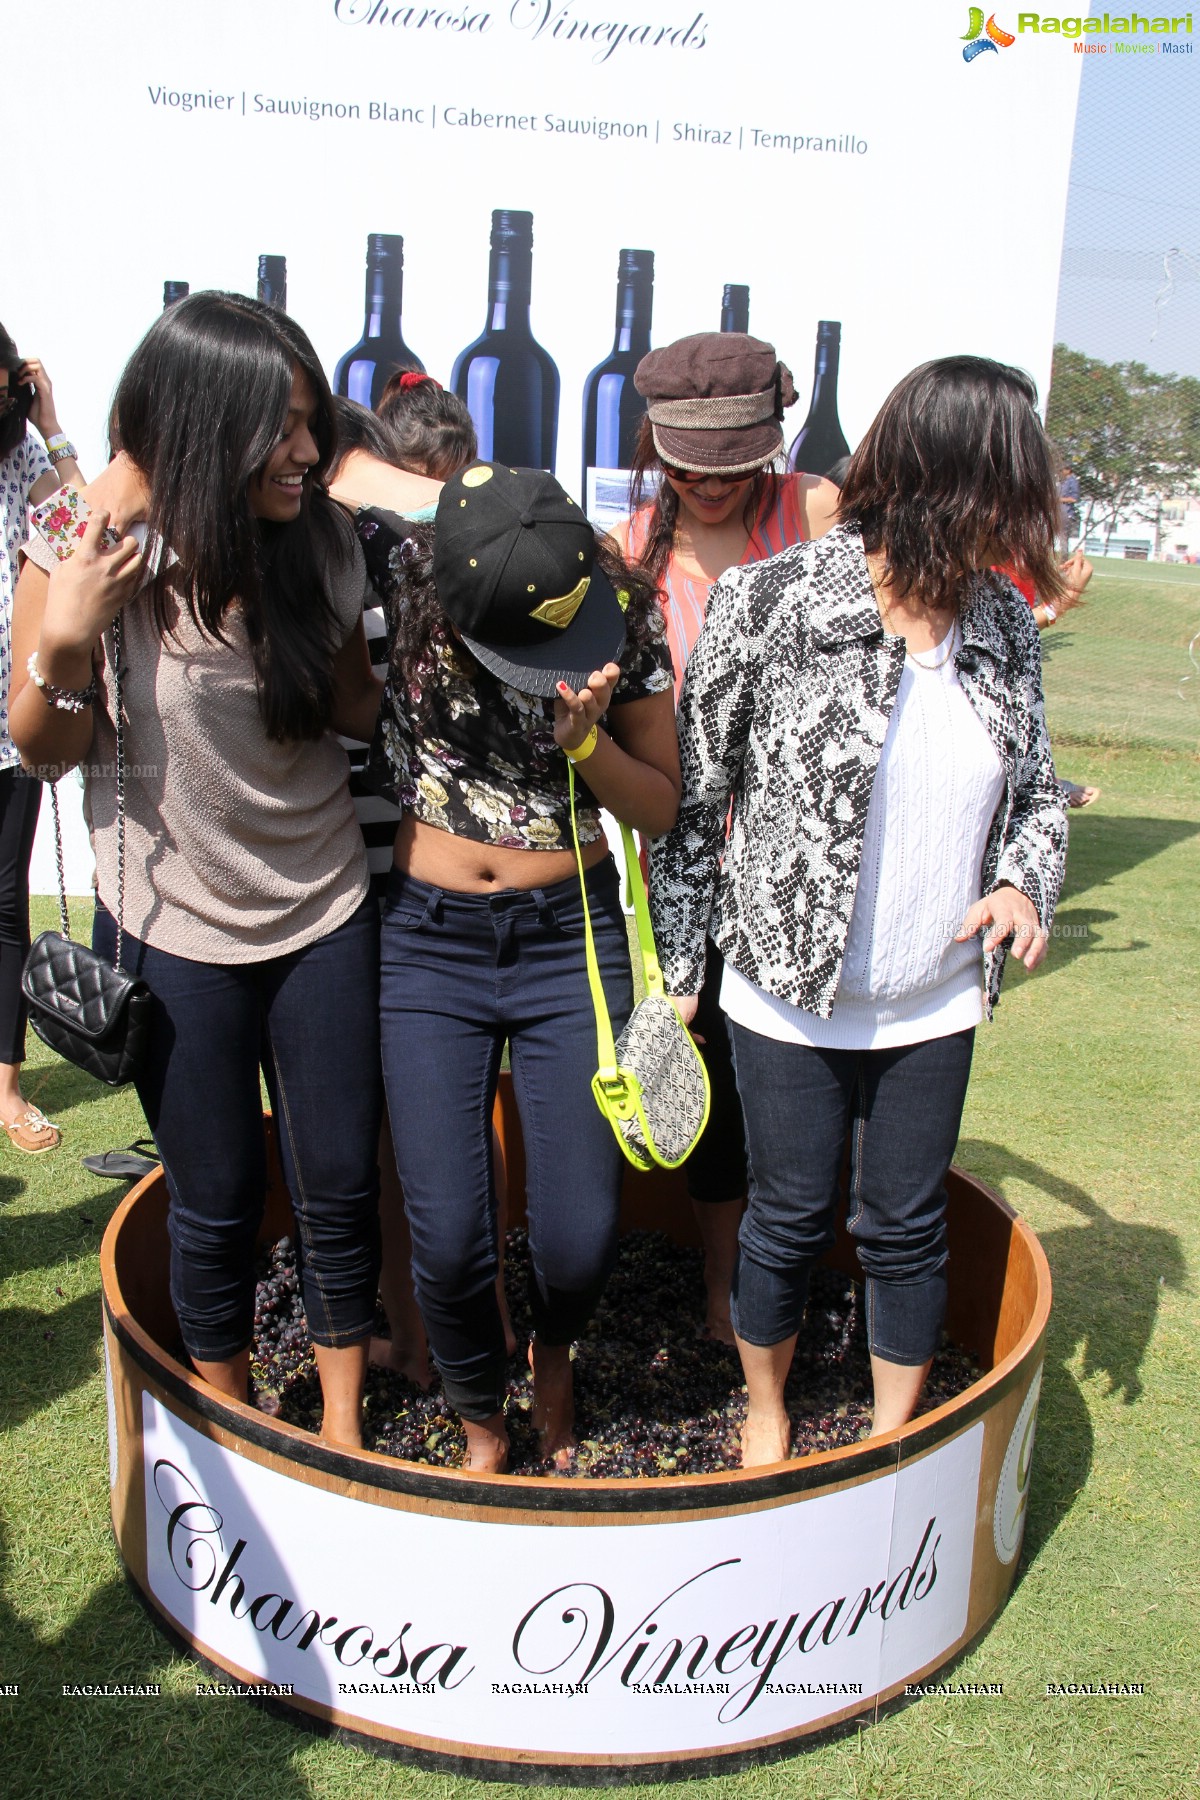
x=536, y=1629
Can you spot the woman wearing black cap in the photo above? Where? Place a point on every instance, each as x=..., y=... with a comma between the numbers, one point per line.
x=520, y=642
x=706, y=499
x=873, y=703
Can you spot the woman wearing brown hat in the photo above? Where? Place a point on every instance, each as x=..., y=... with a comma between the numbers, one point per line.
x=706, y=498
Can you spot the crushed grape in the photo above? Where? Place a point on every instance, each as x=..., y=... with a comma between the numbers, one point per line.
x=653, y=1395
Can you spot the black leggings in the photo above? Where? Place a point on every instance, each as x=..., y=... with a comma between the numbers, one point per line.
x=20, y=799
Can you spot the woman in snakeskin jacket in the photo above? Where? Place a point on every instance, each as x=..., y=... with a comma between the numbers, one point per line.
x=872, y=702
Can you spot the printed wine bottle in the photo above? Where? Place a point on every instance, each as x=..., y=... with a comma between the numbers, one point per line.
x=612, y=407
x=510, y=384
x=173, y=291
x=365, y=370
x=272, y=281
x=735, y=307
x=820, y=441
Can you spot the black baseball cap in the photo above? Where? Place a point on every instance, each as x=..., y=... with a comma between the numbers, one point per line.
x=514, y=560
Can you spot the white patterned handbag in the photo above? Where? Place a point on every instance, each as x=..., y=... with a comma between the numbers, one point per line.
x=651, y=1085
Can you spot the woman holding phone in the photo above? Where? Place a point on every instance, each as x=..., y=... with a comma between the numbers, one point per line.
x=246, y=906
x=29, y=474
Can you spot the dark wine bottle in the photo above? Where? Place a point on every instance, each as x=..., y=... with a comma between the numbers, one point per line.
x=173, y=291
x=365, y=370
x=820, y=441
x=510, y=384
x=272, y=281
x=735, y=307
x=612, y=407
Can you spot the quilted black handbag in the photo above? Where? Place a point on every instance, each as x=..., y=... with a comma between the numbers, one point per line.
x=86, y=1009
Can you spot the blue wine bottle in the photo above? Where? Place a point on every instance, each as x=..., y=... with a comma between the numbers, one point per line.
x=173, y=291
x=272, y=281
x=820, y=441
x=365, y=370
x=612, y=407
x=735, y=307
x=510, y=384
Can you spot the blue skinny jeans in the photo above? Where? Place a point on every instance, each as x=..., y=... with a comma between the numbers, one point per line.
x=902, y=1108
x=462, y=974
x=311, y=1020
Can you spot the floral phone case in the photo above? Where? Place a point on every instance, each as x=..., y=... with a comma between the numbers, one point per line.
x=61, y=520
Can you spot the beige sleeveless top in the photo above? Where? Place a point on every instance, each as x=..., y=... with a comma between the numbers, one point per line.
x=237, y=849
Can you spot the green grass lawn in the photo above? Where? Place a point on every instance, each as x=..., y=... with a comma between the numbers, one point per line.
x=1082, y=1112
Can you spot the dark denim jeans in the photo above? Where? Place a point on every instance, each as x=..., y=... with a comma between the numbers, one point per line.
x=463, y=973
x=902, y=1108
x=311, y=1019
x=716, y=1169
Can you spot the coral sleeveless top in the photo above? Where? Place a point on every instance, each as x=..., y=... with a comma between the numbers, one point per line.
x=685, y=597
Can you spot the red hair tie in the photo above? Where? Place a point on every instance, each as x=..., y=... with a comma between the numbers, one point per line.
x=412, y=378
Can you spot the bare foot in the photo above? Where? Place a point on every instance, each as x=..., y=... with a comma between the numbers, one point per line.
x=411, y=1361
x=342, y=1433
x=553, y=1401
x=487, y=1445
x=765, y=1439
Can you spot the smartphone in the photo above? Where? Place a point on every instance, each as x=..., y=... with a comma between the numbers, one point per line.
x=60, y=521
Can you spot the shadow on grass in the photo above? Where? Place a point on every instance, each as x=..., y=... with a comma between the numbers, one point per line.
x=1104, y=845
x=1108, y=1277
x=104, y=1745
x=49, y=1347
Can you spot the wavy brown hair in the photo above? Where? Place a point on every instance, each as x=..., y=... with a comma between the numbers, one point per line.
x=648, y=482
x=415, y=617
x=956, y=476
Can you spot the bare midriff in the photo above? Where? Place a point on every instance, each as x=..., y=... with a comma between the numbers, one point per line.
x=466, y=866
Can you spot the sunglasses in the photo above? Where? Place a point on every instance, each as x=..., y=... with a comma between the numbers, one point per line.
x=690, y=476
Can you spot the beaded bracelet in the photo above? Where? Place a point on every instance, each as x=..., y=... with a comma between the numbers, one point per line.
x=72, y=700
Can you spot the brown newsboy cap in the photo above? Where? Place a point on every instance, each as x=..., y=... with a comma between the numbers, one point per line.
x=715, y=401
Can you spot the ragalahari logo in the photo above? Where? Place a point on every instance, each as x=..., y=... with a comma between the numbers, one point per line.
x=974, y=40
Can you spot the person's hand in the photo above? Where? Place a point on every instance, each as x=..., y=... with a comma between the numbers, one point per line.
x=88, y=590
x=576, y=713
x=1010, y=914
x=685, y=1005
x=122, y=490
x=1077, y=572
x=41, y=413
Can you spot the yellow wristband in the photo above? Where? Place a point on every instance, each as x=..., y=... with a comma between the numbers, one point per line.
x=585, y=749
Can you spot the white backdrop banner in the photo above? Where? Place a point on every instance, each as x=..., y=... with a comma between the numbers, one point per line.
x=848, y=164
x=645, y=1638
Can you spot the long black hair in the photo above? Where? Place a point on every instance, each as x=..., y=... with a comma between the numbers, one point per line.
x=956, y=475
x=431, y=425
x=201, y=406
x=12, y=422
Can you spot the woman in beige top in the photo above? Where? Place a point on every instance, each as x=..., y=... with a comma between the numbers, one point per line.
x=246, y=908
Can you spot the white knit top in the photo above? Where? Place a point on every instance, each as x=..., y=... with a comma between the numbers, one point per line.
x=904, y=979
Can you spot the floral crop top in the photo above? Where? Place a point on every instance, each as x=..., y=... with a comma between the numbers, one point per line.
x=460, y=749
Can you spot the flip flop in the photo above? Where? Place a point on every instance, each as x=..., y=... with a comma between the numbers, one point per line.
x=1074, y=795
x=128, y=1165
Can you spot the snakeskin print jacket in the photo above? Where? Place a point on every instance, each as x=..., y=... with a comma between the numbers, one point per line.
x=785, y=705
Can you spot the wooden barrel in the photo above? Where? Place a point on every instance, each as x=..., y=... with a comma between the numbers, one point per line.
x=542, y=1630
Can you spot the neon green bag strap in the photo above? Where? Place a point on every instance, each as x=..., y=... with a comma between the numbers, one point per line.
x=635, y=888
